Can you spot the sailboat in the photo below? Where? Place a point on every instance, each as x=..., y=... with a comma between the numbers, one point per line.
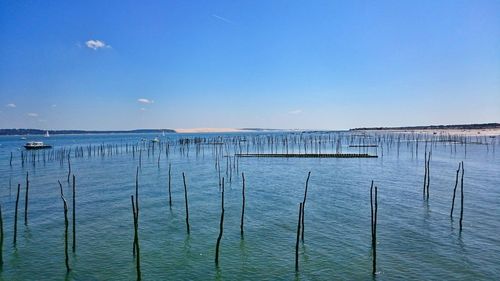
x=47, y=134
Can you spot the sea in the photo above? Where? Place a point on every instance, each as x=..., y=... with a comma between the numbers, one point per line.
x=416, y=237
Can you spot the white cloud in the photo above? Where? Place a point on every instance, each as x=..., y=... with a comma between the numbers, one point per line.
x=143, y=109
x=295, y=112
x=145, y=101
x=12, y=105
x=96, y=44
x=32, y=114
x=54, y=105
x=222, y=19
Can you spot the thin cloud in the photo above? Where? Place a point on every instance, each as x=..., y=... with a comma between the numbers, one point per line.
x=145, y=101
x=32, y=114
x=96, y=44
x=54, y=105
x=295, y=112
x=11, y=105
x=222, y=19
x=143, y=109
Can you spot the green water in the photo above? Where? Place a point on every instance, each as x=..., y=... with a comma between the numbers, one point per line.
x=416, y=237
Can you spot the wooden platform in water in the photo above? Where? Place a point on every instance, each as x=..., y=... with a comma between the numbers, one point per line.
x=311, y=155
x=363, y=145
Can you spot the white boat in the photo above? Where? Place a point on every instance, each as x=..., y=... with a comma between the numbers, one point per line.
x=47, y=134
x=155, y=140
x=36, y=145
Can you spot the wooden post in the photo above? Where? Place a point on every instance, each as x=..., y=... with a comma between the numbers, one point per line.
x=221, y=227
x=169, y=184
x=15, y=216
x=462, y=197
x=454, y=192
x=304, y=205
x=425, y=172
x=137, y=191
x=66, y=257
x=133, y=220
x=298, y=239
x=26, y=200
x=136, y=238
x=136, y=208
x=69, y=167
x=428, y=172
x=374, y=208
x=371, y=207
x=242, y=205
x=74, y=214
x=186, y=200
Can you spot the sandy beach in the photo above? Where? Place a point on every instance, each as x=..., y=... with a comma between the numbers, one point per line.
x=454, y=132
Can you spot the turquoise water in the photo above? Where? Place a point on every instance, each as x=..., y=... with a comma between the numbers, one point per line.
x=416, y=238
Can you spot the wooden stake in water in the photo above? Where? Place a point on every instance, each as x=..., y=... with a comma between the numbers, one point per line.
x=15, y=216
x=462, y=197
x=454, y=191
x=169, y=184
x=186, y=200
x=136, y=209
x=304, y=205
x=66, y=257
x=371, y=208
x=298, y=239
x=133, y=221
x=69, y=167
x=221, y=227
x=136, y=238
x=428, y=173
x=425, y=172
x=374, y=210
x=242, y=204
x=137, y=191
x=74, y=214
x=26, y=200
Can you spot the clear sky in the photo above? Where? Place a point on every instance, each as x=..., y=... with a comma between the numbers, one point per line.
x=272, y=64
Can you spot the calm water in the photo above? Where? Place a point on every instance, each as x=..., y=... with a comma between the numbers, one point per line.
x=416, y=238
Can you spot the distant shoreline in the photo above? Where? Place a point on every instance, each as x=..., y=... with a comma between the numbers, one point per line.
x=484, y=126
x=23, y=132
x=487, y=128
x=38, y=132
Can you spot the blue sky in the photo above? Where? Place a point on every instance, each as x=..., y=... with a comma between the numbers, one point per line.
x=273, y=64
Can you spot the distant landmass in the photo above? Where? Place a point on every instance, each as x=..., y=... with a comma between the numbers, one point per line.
x=436, y=127
x=21, y=132
x=78, y=132
x=260, y=129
